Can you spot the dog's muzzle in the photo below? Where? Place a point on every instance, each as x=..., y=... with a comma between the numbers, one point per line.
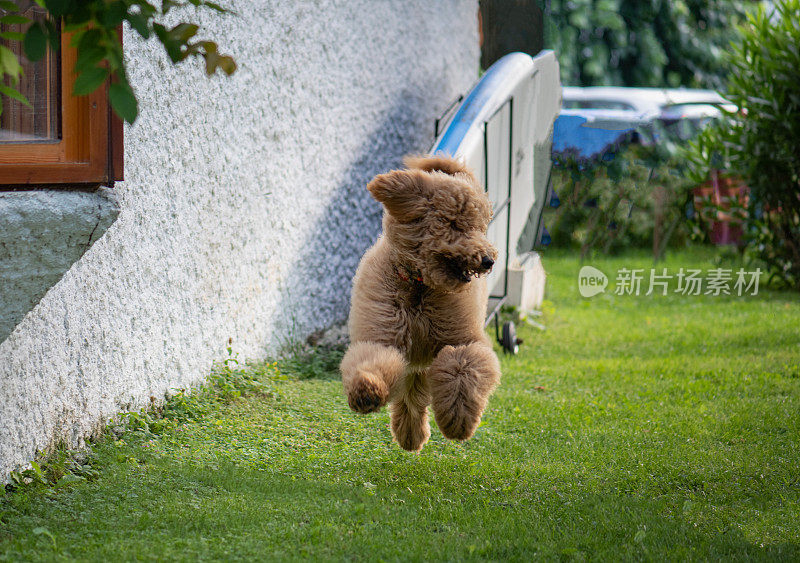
x=464, y=272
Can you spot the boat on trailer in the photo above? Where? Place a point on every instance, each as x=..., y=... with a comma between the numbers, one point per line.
x=503, y=129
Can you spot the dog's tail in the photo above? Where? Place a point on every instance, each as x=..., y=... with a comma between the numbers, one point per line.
x=438, y=162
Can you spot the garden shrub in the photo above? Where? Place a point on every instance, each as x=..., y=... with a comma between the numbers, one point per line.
x=761, y=142
x=635, y=197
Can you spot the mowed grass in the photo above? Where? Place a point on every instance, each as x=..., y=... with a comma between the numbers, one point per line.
x=633, y=428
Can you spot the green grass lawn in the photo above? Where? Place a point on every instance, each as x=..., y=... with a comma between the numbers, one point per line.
x=644, y=428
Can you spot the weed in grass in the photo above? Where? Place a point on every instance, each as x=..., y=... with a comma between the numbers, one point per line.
x=320, y=363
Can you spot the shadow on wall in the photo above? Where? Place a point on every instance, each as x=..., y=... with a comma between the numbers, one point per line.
x=320, y=278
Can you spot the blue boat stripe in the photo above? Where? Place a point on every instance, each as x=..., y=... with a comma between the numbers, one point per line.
x=476, y=107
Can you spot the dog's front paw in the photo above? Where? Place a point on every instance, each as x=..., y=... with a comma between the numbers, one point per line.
x=461, y=379
x=367, y=394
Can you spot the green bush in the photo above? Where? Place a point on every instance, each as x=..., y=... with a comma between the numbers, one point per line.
x=636, y=198
x=761, y=142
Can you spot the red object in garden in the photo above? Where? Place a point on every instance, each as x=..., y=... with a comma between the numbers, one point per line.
x=717, y=196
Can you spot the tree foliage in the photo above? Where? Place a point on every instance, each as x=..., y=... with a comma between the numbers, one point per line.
x=644, y=43
x=761, y=142
x=93, y=24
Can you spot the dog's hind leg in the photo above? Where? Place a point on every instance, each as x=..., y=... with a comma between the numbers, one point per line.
x=369, y=370
x=461, y=378
x=409, y=408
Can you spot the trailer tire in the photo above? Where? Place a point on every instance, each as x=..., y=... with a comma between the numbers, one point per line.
x=509, y=341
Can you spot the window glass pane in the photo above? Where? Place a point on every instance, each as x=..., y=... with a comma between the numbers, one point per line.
x=595, y=104
x=39, y=83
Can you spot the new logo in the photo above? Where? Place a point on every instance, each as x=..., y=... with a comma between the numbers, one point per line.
x=591, y=281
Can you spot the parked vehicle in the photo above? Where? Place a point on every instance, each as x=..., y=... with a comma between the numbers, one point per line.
x=618, y=115
x=646, y=103
x=598, y=121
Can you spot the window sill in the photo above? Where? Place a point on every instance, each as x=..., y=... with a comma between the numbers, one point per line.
x=43, y=233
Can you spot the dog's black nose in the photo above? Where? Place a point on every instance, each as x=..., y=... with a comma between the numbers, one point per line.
x=487, y=263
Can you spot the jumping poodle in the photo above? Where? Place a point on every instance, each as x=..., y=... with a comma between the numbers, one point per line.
x=419, y=302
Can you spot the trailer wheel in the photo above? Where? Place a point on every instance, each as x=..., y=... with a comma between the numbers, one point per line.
x=509, y=341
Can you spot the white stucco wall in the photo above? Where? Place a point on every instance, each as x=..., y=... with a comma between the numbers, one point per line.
x=243, y=214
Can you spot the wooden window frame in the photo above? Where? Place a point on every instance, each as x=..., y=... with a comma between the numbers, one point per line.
x=90, y=149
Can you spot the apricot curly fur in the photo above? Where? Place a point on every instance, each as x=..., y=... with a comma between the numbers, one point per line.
x=418, y=304
x=461, y=379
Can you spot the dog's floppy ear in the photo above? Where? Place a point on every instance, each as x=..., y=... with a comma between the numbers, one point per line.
x=404, y=193
x=441, y=163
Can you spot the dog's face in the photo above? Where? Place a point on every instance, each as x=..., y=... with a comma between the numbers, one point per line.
x=436, y=220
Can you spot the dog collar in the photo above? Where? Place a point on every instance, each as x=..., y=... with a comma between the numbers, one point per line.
x=407, y=276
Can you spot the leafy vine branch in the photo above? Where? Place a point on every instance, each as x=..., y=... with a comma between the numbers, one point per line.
x=93, y=25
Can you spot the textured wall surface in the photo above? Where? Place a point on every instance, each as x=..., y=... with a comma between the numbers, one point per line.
x=243, y=214
x=42, y=234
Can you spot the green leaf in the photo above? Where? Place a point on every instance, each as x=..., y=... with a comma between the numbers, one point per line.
x=89, y=57
x=91, y=38
x=216, y=7
x=12, y=35
x=37, y=469
x=184, y=31
x=14, y=19
x=12, y=93
x=115, y=57
x=227, y=64
x=8, y=6
x=89, y=80
x=167, y=5
x=140, y=24
x=123, y=101
x=9, y=63
x=146, y=8
x=77, y=31
x=214, y=60
x=75, y=28
x=35, y=42
x=172, y=47
x=114, y=14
